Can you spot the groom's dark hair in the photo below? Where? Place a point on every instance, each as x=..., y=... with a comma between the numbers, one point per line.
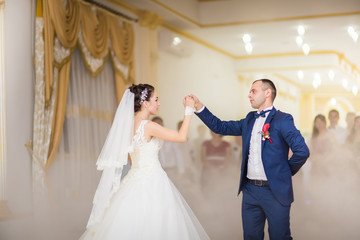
x=267, y=83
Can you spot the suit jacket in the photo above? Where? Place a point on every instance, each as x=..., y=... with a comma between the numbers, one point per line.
x=279, y=169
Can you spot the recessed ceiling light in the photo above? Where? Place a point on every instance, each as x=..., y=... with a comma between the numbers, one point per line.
x=333, y=101
x=246, y=38
x=317, y=80
x=176, y=41
x=351, y=30
x=300, y=75
x=306, y=48
x=301, y=30
x=248, y=48
x=355, y=90
x=353, y=34
x=345, y=83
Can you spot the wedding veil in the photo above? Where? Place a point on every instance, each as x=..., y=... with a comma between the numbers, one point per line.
x=113, y=156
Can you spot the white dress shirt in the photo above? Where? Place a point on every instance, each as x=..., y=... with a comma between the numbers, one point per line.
x=340, y=134
x=255, y=168
x=200, y=110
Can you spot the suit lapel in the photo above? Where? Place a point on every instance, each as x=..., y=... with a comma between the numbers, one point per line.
x=248, y=133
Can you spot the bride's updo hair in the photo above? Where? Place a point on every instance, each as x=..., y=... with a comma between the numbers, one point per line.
x=142, y=92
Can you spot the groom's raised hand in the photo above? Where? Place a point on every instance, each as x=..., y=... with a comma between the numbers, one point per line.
x=198, y=104
x=189, y=101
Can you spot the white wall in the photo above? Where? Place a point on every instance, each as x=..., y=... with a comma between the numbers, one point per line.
x=214, y=78
x=19, y=90
x=206, y=73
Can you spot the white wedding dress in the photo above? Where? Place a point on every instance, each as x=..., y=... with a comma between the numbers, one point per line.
x=147, y=204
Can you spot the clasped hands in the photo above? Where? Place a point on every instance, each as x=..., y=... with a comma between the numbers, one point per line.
x=192, y=101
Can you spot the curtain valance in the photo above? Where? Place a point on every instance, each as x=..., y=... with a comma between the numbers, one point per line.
x=96, y=31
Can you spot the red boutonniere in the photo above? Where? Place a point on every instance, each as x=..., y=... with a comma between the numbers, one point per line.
x=265, y=132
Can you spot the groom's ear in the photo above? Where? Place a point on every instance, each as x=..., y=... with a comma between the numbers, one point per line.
x=268, y=93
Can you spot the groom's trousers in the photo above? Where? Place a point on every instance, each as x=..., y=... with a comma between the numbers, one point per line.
x=260, y=204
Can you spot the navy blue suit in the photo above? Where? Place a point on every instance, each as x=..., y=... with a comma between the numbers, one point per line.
x=279, y=169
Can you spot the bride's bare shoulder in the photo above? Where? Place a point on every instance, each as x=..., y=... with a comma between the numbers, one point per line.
x=151, y=125
x=153, y=128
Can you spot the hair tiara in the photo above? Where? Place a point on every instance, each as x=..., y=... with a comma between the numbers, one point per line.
x=143, y=96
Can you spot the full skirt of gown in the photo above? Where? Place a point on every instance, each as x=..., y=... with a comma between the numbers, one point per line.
x=147, y=206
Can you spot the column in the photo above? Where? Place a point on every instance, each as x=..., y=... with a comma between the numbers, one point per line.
x=4, y=211
x=148, y=47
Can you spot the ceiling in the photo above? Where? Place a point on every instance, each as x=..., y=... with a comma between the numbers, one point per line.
x=273, y=28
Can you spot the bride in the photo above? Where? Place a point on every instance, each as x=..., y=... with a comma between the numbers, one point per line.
x=146, y=205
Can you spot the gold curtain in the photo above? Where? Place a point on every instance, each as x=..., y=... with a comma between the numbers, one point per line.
x=95, y=28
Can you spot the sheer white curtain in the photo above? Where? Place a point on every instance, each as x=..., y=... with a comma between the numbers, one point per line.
x=91, y=105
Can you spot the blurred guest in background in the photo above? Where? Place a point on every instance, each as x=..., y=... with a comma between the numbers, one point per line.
x=350, y=119
x=185, y=163
x=353, y=140
x=216, y=151
x=196, y=152
x=236, y=149
x=169, y=157
x=322, y=146
x=215, y=155
x=339, y=132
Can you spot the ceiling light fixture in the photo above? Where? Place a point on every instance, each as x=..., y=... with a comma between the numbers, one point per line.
x=301, y=30
x=353, y=34
x=317, y=80
x=333, y=101
x=248, y=48
x=345, y=83
x=306, y=48
x=315, y=84
x=176, y=41
x=355, y=90
x=351, y=30
x=246, y=38
x=300, y=75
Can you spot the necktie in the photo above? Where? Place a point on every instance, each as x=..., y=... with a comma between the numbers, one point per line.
x=262, y=113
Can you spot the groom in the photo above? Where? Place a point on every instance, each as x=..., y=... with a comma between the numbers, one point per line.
x=266, y=169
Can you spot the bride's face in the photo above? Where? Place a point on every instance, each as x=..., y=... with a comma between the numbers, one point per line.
x=153, y=104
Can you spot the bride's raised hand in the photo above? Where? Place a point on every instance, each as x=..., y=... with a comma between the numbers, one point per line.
x=189, y=102
x=181, y=135
x=198, y=104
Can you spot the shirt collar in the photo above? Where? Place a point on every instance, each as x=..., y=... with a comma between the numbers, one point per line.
x=268, y=108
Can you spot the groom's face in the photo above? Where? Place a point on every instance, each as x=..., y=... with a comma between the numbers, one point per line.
x=257, y=95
